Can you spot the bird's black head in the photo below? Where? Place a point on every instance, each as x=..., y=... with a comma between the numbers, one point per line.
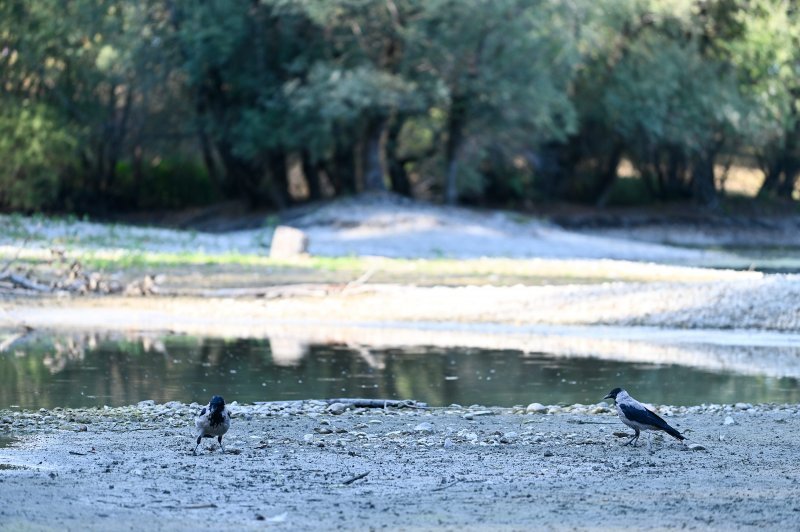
x=217, y=403
x=613, y=394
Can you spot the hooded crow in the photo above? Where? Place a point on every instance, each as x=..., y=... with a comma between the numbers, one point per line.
x=213, y=420
x=638, y=417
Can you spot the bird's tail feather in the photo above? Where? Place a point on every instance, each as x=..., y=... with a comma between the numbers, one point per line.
x=674, y=433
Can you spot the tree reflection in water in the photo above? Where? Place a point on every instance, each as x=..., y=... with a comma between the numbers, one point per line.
x=39, y=370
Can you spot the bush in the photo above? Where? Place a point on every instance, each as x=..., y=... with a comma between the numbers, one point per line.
x=35, y=149
x=165, y=184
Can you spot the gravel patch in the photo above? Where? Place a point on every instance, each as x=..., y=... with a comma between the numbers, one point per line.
x=300, y=465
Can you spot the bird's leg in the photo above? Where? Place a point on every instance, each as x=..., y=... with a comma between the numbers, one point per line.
x=198, y=444
x=633, y=439
x=219, y=439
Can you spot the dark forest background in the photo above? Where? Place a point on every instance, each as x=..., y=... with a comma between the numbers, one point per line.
x=113, y=105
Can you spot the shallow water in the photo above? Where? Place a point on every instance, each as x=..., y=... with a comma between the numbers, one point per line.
x=96, y=370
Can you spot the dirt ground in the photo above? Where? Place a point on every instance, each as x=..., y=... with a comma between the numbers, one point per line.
x=295, y=467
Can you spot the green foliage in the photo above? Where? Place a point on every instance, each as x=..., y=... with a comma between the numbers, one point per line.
x=488, y=100
x=165, y=184
x=35, y=148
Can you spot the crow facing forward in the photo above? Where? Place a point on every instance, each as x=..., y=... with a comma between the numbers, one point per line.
x=213, y=420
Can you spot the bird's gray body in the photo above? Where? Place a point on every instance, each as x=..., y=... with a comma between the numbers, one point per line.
x=204, y=428
x=624, y=400
x=213, y=421
x=638, y=417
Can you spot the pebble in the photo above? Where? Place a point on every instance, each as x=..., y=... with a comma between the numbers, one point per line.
x=337, y=408
x=472, y=415
x=508, y=437
x=729, y=421
x=536, y=408
x=424, y=427
x=695, y=447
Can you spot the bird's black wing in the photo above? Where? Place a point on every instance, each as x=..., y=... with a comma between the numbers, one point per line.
x=645, y=416
x=203, y=412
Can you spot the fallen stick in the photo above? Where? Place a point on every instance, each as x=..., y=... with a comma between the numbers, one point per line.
x=378, y=403
x=13, y=259
x=25, y=283
x=440, y=488
x=360, y=281
x=200, y=506
x=353, y=479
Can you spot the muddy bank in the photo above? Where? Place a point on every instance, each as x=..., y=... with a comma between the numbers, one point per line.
x=295, y=466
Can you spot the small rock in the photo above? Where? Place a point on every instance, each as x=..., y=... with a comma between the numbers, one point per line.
x=149, y=402
x=536, y=408
x=695, y=447
x=288, y=242
x=548, y=453
x=82, y=428
x=448, y=443
x=323, y=430
x=508, y=437
x=743, y=406
x=729, y=421
x=424, y=427
x=336, y=408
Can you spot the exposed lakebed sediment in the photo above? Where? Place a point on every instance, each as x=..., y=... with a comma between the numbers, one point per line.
x=294, y=466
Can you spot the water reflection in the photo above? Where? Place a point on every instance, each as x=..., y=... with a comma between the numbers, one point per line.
x=112, y=369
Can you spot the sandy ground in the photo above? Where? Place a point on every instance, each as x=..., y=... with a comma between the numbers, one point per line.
x=381, y=225
x=287, y=467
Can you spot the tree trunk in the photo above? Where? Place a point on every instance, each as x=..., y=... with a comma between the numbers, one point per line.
x=609, y=176
x=791, y=169
x=703, y=188
x=311, y=173
x=372, y=155
x=341, y=167
x=547, y=168
x=277, y=184
x=455, y=134
x=397, y=171
x=772, y=178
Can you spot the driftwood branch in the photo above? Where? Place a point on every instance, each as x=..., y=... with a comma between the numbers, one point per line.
x=22, y=282
x=360, y=281
x=445, y=486
x=7, y=266
x=378, y=403
x=353, y=479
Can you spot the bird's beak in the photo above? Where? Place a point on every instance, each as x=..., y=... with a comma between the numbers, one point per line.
x=609, y=396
